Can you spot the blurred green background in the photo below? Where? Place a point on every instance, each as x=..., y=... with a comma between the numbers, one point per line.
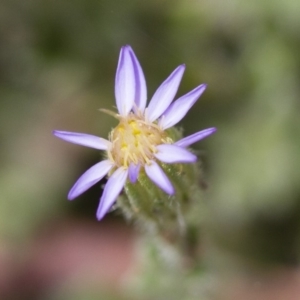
x=57, y=68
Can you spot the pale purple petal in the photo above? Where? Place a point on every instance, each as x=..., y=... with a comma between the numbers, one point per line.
x=125, y=82
x=191, y=139
x=83, y=139
x=174, y=154
x=133, y=172
x=157, y=175
x=164, y=94
x=178, y=109
x=111, y=191
x=89, y=178
x=140, y=83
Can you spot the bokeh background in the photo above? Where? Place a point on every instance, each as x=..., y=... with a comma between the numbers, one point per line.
x=57, y=68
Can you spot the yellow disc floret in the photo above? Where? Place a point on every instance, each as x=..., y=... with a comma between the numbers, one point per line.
x=134, y=141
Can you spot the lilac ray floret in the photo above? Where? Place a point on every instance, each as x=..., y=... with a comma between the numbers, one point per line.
x=174, y=154
x=157, y=175
x=125, y=82
x=83, y=139
x=164, y=94
x=140, y=98
x=89, y=178
x=140, y=136
x=133, y=172
x=180, y=107
x=111, y=191
x=191, y=139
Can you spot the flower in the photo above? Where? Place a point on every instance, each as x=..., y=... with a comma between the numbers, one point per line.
x=140, y=141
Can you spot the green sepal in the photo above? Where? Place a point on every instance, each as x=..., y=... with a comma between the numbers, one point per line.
x=176, y=219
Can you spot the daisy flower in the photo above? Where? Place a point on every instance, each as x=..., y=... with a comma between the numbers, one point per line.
x=140, y=142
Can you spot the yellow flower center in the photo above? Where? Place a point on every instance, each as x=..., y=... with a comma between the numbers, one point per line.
x=135, y=140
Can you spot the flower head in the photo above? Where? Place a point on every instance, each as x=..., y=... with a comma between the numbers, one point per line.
x=140, y=142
